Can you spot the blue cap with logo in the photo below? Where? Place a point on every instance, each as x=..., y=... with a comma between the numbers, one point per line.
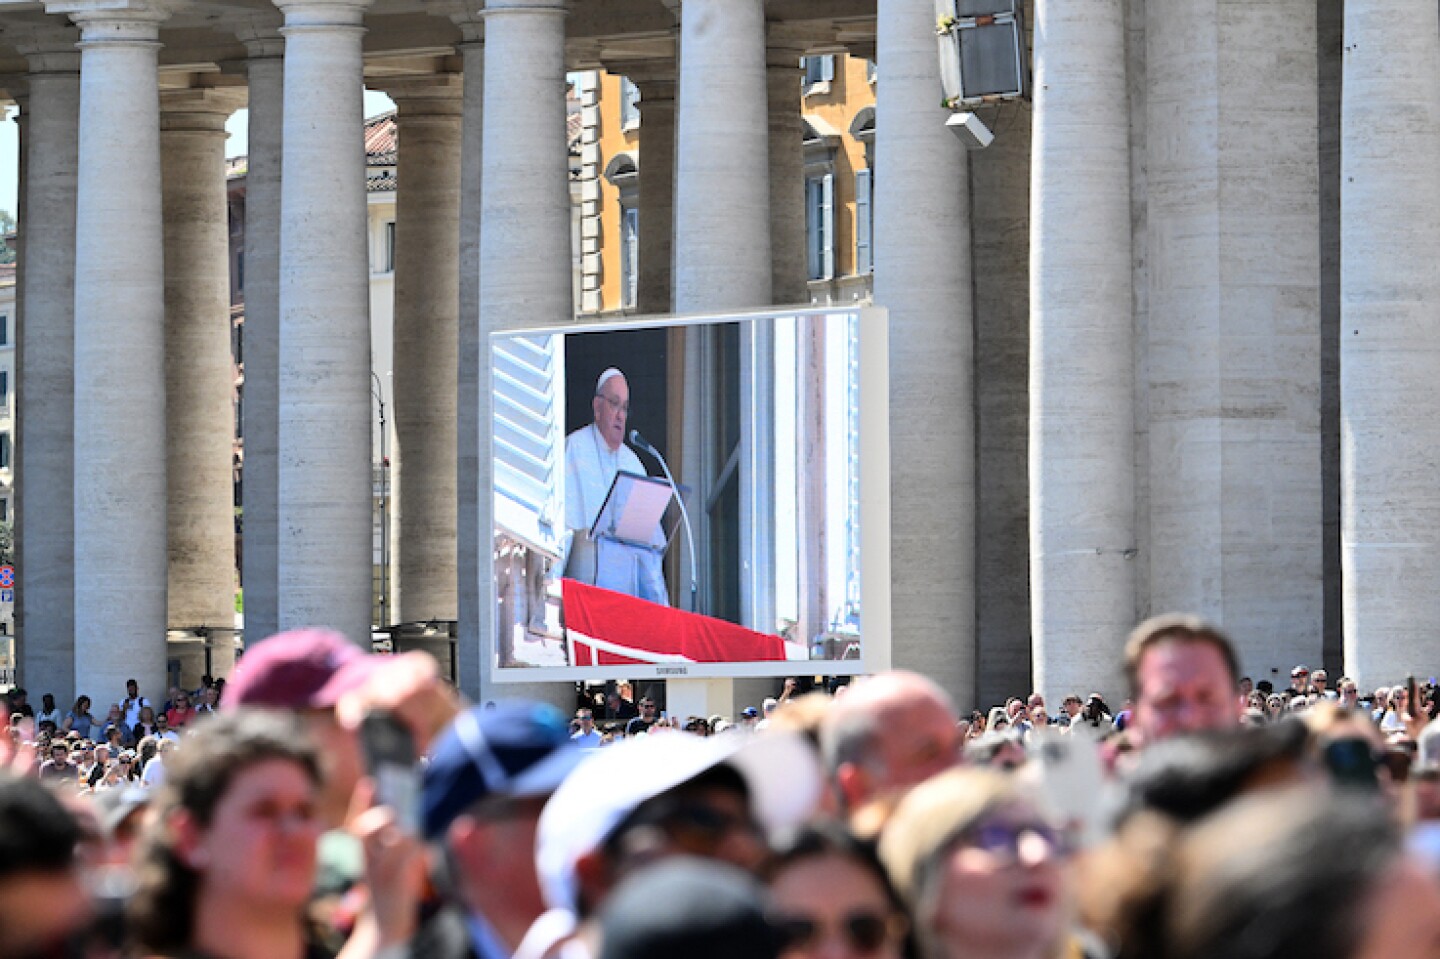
x=515, y=748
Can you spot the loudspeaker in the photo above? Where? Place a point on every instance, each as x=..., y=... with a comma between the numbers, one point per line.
x=982, y=51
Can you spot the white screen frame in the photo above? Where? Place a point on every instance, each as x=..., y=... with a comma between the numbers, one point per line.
x=874, y=496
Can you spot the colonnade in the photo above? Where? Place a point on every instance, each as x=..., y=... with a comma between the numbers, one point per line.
x=1173, y=337
x=483, y=163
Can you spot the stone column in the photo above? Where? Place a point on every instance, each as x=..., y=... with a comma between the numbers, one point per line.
x=655, y=80
x=325, y=563
x=259, y=575
x=525, y=275
x=470, y=465
x=923, y=277
x=119, y=427
x=427, y=278
x=1082, y=421
x=199, y=370
x=44, y=373
x=1390, y=342
x=722, y=154
x=789, y=274
x=1232, y=354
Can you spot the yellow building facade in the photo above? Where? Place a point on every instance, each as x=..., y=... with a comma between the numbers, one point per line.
x=838, y=110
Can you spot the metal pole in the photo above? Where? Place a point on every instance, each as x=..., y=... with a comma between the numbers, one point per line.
x=384, y=504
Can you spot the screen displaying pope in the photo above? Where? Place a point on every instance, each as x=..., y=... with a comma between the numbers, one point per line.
x=593, y=455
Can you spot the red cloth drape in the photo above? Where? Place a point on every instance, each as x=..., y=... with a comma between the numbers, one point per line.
x=649, y=630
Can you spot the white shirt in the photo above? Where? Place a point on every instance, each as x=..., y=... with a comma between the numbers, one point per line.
x=132, y=709
x=590, y=468
x=154, y=774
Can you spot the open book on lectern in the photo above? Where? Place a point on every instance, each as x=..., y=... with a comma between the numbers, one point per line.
x=633, y=510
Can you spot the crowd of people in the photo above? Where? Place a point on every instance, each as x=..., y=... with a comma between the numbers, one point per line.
x=338, y=803
x=126, y=748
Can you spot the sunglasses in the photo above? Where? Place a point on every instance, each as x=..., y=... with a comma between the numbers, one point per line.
x=864, y=931
x=1003, y=838
x=697, y=828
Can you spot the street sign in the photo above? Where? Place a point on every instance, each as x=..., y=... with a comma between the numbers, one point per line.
x=7, y=596
x=7, y=577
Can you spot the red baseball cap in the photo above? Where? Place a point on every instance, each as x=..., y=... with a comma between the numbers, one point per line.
x=308, y=668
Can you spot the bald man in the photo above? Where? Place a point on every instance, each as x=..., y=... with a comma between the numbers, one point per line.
x=889, y=733
x=593, y=455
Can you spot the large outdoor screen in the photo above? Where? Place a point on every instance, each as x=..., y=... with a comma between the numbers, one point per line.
x=691, y=497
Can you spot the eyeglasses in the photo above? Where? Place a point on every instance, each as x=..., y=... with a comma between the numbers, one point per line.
x=615, y=405
x=1003, y=838
x=864, y=931
x=647, y=705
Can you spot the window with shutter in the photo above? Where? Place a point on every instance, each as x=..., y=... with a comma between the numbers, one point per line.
x=818, y=70
x=820, y=226
x=529, y=452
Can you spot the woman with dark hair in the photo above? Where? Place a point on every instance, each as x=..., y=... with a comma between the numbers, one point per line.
x=832, y=899
x=145, y=751
x=79, y=719
x=49, y=712
x=227, y=866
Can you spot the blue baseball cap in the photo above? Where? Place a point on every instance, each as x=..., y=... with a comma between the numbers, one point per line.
x=515, y=748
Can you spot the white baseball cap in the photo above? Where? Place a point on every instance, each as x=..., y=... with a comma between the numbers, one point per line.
x=780, y=770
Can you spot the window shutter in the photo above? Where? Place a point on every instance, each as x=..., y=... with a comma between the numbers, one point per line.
x=529, y=477
x=629, y=103
x=863, y=261
x=827, y=221
x=813, y=227
x=631, y=221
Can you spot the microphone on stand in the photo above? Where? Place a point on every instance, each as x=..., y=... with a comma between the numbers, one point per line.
x=640, y=442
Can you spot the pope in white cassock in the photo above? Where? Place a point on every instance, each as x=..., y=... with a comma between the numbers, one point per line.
x=593, y=455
